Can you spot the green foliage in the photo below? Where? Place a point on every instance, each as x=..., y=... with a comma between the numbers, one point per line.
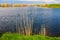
x=53, y=5
x=0, y=34
x=16, y=36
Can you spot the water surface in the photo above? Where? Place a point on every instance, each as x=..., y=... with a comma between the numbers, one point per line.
x=34, y=16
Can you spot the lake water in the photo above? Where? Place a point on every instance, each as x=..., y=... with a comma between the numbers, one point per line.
x=30, y=16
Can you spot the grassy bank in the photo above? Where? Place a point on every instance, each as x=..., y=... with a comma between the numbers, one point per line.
x=15, y=36
x=53, y=5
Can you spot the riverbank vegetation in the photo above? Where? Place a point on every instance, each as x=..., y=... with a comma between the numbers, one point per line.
x=16, y=36
x=53, y=6
x=32, y=5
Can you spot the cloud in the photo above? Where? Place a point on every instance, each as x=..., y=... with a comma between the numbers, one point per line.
x=41, y=1
x=46, y=1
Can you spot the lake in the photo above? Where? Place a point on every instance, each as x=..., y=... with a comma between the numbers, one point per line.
x=34, y=17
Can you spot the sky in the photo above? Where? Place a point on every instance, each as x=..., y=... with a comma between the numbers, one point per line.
x=29, y=1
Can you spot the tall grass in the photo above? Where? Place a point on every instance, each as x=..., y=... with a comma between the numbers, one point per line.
x=16, y=36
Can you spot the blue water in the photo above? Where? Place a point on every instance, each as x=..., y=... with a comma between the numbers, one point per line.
x=48, y=16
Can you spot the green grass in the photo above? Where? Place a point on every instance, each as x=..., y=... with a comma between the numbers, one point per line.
x=53, y=6
x=16, y=36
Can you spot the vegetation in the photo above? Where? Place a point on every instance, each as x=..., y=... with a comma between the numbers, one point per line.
x=53, y=5
x=16, y=36
x=25, y=5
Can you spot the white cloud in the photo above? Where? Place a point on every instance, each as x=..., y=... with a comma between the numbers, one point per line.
x=28, y=0
x=46, y=1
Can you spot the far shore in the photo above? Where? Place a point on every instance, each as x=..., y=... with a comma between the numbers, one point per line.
x=31, y=5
